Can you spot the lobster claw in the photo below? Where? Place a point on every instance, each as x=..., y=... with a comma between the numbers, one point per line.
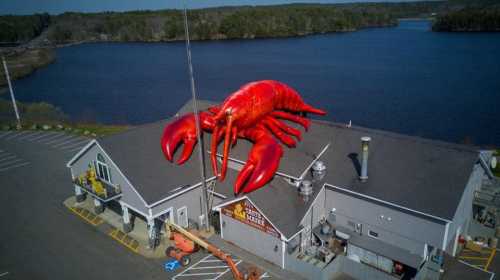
x=181, y=130
x=263, y=161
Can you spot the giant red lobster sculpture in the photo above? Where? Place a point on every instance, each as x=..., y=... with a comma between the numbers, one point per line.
x=252, y=112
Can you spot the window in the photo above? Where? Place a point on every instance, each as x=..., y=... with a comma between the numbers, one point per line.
x=103, y=169
x=373, y=234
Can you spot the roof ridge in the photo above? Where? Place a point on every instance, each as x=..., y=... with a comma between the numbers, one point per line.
x=401, y=136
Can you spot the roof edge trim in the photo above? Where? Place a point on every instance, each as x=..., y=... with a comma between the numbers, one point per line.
x=415, y=212
x=80, y=153
x=218, y=207
x=121, y=173
x=179, y=193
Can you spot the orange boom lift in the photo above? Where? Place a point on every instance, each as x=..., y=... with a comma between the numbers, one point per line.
x=187, y=243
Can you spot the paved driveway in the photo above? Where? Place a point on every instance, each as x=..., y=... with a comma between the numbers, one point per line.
x=40, y=238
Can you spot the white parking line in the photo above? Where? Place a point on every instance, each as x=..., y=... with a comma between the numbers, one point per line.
x=33, y=135
x=5, y=134
x=41, y=136
x=227, y=270
x=15, y=135
x=7, y=158
x=4, y=273
x=205, y=261
x=77, y=149
x=13, y=166
x=53, y=136
x=73, y=145
x=54, y=139
x=69, y=140
x=15, y=161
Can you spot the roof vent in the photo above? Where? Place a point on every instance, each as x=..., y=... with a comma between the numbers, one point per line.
x=318, y=171
x=306, y=188
x=364, y=165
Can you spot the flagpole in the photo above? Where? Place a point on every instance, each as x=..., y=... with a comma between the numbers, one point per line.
x=197, y=120
x=11, y=93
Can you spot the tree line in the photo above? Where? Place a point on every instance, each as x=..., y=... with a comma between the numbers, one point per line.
x=213, y=23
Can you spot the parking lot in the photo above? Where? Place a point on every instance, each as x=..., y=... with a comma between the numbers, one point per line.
x=50, y=139
x=42, y=239
x=212, y=268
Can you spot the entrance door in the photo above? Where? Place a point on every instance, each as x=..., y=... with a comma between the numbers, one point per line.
x=182, y=217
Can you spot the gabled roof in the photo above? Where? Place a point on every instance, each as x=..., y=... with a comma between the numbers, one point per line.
x=279, y=201
x=423, y=175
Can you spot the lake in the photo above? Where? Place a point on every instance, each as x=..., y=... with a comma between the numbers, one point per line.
x=405, y=79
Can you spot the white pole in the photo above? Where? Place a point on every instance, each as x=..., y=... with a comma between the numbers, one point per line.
x=197, y=120
x=11, y=93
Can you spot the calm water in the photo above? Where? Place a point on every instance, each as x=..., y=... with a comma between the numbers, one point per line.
x=405, y=79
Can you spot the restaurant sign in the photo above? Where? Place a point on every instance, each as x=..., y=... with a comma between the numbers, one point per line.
x=245, y=212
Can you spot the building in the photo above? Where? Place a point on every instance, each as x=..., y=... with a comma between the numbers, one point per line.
x=412, y=208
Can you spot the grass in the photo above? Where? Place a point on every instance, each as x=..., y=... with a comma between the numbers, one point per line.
x=45, y=116
x=24, y=62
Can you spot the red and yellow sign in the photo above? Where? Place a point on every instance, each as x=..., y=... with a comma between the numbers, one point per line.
x=245, y=212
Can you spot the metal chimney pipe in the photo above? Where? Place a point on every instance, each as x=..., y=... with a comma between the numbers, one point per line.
x=364, y=165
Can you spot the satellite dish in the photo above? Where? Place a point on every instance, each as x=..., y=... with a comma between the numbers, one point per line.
x=493, y=162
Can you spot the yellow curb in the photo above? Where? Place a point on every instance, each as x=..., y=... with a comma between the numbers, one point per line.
x=490, y=258
x=78, y=212
x=473, y=258
x=114, y=234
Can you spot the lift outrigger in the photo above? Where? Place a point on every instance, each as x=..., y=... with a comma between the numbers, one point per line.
x=187, y=243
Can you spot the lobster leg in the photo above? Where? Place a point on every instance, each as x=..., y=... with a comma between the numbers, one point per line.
x=213, y=150
x=286, y=128
x=291, y=117
x=288, y=140
x=227, y=144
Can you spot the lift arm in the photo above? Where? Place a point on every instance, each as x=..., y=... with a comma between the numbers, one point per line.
x=212, y=249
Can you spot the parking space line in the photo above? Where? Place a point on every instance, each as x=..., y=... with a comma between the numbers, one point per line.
x=14, y=160
x=73, y=139
x=14, y=135
x=473, y=258
x=204, y=261
x=208, y=267
x=73, y=145
x=41, y=136
x=227, y=270
x=28, y=134
x=4, y=273
x=32, y=135
x=490, y=258
x=55, y=140
x=13, y=166
x=54, y=136
x=5, y=134
x=7, y=158
x=77, y=149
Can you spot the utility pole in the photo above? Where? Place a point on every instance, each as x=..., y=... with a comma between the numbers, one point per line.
x=197, y=120
x=11, y=93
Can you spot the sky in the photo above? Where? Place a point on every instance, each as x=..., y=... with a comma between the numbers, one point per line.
x=25, y=7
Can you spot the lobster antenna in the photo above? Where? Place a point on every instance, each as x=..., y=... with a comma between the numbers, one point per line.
x=197, y=120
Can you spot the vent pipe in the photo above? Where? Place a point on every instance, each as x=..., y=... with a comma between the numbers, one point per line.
x=318, y=171
x=364, y=164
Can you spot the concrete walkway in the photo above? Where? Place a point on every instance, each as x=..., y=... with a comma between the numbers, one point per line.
x=136, y=240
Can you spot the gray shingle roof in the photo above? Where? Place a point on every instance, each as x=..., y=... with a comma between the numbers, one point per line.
x=138, y=154
x=423, y=175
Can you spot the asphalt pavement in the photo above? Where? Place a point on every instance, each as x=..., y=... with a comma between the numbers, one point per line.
x=39, y=237
x=42, y=239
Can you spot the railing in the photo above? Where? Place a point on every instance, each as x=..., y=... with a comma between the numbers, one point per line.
x=99, y=188
x=487, y=198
